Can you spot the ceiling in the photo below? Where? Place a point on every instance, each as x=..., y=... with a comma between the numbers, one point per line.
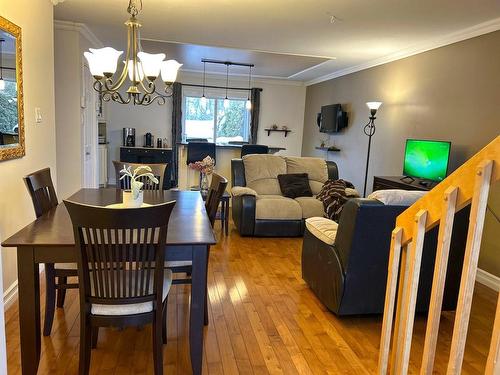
x=293, y=39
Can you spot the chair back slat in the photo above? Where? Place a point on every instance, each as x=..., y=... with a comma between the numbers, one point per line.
x=215, y=192
x=118, y=251
x=158, y=170
x=41, y=190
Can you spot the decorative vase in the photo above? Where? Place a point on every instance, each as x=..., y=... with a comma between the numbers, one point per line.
x=130, y=202
x=203, y=183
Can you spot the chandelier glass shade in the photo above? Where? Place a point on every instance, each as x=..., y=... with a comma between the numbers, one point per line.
x=140, y=70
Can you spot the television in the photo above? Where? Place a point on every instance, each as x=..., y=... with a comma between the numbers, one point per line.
x=426, y=159
x=332, y=119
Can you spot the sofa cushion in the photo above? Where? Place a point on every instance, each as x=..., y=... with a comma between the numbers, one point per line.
x=310, y=207
x=397, y=197
x=261, y=173
x=316, y=169
x=277, y=207
x=322, y=228
x=294, y=185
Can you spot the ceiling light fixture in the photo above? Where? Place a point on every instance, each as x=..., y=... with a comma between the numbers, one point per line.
x=203, y=97
x=141, y=68
x=226, y=100
x=2, y=81
x=248, y=104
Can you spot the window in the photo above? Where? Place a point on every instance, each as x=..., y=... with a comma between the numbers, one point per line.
x=214, y=121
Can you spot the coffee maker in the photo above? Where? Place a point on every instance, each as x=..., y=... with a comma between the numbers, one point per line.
x=129, y=137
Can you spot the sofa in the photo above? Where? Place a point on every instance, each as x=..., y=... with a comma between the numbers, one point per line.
x=345, y=264
x=258, y=206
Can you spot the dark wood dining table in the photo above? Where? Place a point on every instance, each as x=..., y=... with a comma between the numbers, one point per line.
x=49, y=239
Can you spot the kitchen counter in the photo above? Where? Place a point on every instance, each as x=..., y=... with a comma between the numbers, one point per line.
x=273, y=149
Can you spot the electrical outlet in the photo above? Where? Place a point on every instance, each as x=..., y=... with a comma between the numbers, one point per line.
x=38, y=115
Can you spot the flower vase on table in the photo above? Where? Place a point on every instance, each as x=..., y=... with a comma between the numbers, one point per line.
x=134, y=197
x=205, y=167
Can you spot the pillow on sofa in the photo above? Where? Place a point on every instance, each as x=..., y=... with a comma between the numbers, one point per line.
x=295, y=185
x=397, y=197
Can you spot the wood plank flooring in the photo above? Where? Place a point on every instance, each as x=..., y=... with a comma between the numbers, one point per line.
x=263, y=320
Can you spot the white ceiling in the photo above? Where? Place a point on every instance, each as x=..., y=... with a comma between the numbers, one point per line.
x=297, y=39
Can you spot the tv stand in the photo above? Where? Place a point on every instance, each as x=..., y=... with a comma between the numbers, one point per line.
x=401, y=182
x=411, y=179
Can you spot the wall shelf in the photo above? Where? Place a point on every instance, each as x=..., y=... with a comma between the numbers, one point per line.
x=269, y=130
x=328, y=149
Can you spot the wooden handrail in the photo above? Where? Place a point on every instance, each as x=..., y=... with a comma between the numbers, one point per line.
x=463, y=178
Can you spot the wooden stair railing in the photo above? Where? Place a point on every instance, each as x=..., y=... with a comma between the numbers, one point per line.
x=469, y=184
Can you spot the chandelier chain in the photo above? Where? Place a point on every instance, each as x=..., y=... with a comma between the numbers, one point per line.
x=134, y=7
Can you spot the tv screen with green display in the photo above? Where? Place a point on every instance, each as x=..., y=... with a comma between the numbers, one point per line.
x=426, y=159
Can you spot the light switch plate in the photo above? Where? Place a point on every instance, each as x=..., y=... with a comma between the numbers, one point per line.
x=38, y=115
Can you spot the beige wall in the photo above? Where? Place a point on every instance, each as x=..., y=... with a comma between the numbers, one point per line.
x=35, y=19
x=450, y=93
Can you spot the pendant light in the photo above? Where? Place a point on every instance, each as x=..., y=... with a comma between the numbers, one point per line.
x=226, y=100
x=248, y=104
x=203, y=97
x=2, y=81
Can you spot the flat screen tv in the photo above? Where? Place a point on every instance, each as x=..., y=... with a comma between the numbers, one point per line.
x=426, y=159
x=332, y=119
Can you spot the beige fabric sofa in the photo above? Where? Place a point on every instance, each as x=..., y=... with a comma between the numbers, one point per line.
x=258, y=206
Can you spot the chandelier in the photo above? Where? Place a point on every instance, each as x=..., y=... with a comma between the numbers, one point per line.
x=142, y=69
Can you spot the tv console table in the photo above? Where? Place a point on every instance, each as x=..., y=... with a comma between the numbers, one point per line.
x=395, y=182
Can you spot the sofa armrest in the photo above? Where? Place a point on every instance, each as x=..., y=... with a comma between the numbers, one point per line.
x=242, y=190
x=243, y=208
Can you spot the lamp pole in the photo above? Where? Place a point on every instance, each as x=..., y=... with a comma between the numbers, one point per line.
x=369, y=130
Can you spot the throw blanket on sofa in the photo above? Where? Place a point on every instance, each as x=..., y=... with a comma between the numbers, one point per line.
x=333, y=195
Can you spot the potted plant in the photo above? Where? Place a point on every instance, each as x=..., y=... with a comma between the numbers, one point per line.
x=135, y=197
x=205, y=167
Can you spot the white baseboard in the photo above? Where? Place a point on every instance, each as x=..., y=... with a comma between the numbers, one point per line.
x=487, y=279
x=10, y=295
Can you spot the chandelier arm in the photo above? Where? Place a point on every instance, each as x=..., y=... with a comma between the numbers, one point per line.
x=123, y=75
x=151, y=86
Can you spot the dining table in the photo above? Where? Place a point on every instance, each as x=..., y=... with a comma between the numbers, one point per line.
x=49, y=239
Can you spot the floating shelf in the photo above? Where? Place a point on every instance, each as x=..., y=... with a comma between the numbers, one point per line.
x=269, y=130
x=328, y=149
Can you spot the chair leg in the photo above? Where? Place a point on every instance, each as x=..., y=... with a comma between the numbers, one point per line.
x=95, y=336
x=157, y=344
x=164, y=322
x=61, y=293
x=50, y=298
x=205, y=318
x=85, y=344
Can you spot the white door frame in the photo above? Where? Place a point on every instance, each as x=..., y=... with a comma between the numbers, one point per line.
x=90, y=170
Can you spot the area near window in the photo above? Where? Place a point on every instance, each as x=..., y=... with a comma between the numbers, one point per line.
x=215, y=121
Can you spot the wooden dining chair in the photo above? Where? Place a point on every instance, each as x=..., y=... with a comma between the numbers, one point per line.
x=158, y=170
x=117, y=250
x=43, y=195
x=212, y=202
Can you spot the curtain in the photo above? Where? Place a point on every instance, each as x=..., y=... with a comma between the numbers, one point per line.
x=254, y=114
x=176, y=130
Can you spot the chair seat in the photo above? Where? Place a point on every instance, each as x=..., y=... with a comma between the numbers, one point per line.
x=66, y=266
x=178, y=263
x=133, y=308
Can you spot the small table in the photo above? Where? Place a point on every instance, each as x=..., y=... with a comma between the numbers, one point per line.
x=400, y=182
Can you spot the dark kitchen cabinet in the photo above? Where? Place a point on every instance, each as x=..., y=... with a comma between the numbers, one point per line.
x=150, y=155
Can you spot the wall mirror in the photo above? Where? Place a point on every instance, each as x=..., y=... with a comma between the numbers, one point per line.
x=11, y=92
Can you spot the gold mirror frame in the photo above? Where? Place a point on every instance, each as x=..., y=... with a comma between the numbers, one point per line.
x=18, y=151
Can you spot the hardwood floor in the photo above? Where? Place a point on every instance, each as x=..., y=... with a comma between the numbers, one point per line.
x=263, y=319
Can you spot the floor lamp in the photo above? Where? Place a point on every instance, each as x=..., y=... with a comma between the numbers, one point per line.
x=370, y=131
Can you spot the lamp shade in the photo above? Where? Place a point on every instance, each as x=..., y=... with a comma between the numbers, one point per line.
x=106, y=59
x=94, y=66
x=139, y=72
x=151, y=63
x=169, y=70
x=248, y=104
x=374, y=105
x=2, y=84
x=203, y=101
